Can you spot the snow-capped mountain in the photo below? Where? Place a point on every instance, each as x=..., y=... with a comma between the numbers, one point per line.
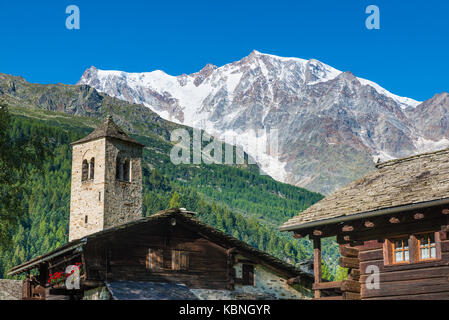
x=330, y=123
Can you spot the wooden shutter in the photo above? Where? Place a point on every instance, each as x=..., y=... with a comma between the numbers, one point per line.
x=180, y=260
x=388, y=252
x=155, y=259
x=413, y=249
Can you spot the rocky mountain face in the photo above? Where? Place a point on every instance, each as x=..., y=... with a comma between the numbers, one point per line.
x=89, y=104
x=82, y=101
x=330, y=124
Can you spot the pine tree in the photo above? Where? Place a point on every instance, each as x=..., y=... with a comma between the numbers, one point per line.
x=174, y=201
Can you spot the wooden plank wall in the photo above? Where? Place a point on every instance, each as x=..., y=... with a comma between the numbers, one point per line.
x=125, y=255
x=423, y=280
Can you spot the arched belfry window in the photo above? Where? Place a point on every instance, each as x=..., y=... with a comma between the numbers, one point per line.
x=126, y=170
x=92, y=169
x=85, y=171
x=122, y=169
x=118, y=168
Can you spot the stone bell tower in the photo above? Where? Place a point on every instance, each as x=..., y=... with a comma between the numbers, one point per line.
x=106, y=188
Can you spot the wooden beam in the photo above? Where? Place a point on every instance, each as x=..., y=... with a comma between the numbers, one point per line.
x=331, y=298
x=400, y=228
x=327, y=285
x=349, y=252
x=350, y=286
x=369, y=224
x=418, y=216
x=317, y=233
x=352, y=263
x=246, y=261
x=317, y=263
x=65, y=259
x=297, y=235
x=351, y=296
x=354, y=274
x=394, y=220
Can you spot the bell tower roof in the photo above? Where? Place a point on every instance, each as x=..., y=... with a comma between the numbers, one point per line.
x=108, y=129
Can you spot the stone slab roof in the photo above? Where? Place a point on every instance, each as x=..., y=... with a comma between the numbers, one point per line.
x=146, y=290
x=140, y=290
x=10, y=289
x=418, y=179
x=107, y=129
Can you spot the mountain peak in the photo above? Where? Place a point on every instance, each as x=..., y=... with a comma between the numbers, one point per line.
x=347, y=75
x=263, y=90
x=203, y=73
x=255, y=52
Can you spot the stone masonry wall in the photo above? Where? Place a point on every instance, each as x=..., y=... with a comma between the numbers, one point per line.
x=10, y=289
x=87, y=197
x=267, y=285
x=106, y=201
x=123, y=199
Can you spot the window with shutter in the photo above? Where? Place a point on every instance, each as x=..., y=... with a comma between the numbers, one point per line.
x=155, y=259
x=412, y=248
x=180, y=260
x=248, y=274
x=427, y=247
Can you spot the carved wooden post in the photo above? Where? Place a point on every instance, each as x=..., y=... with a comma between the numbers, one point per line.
x=317, y=263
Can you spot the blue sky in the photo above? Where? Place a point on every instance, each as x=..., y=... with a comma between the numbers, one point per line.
x=409, y=55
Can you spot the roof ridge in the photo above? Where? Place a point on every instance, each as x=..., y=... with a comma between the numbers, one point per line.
x=108, y=128
x=410, y=158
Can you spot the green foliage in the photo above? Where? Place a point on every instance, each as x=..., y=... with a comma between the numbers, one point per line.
x=20, y=155
x=341, y=274
x=235, y=199
x=174, y=201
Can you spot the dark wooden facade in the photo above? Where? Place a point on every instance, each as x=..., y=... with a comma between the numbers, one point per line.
x=391, y=225
x=366, y=249
x=124, y=256
x=168, y=247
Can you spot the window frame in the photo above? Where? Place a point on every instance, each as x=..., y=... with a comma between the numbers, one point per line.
x=167, y=260
x=437, y=246
x=390, y=250
x=154, y=259
x=413, y=249
x=123, y=169
x=91, y=169
x=84, y=170
x=180, y=260
x=248, y=274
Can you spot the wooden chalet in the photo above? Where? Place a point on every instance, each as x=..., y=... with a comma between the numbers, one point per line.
x=169, y=255
x=392, y=226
